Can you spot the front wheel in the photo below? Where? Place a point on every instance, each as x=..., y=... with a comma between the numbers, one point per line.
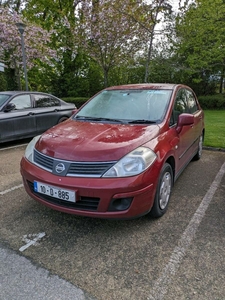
x=163, y=192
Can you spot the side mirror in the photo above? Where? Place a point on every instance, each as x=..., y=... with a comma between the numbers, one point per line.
x=9, y=107
x=184, y=120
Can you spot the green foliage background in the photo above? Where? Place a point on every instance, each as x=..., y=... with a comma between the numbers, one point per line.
x=191, y=51
x=215, y=128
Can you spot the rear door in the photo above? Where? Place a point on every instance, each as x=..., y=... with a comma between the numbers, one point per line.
x=47, y=111
x=195, y=110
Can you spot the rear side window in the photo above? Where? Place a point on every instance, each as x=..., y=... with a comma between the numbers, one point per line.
x=45, y=101
x=192, y=104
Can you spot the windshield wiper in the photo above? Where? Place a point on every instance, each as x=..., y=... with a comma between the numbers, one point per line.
x=141, y=122
x=98, y=119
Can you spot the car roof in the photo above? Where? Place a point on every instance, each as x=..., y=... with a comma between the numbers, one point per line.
x=11, y=93
x=162, y=86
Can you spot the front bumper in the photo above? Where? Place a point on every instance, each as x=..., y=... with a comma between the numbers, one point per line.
x=95, y=197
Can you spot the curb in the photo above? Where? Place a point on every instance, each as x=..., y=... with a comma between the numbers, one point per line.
x=214, y=149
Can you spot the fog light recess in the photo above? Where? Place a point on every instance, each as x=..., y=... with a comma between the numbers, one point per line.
x=120, y=204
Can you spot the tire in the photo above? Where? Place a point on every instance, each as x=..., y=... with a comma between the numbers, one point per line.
x=62, y=119
x=163, y=192
x=200, y=145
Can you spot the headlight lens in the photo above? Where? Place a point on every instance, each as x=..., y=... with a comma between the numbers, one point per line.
x=133, y=163
x=30, y=148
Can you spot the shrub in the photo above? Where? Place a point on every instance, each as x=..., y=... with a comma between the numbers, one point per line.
x=78, y=101
x=216, y=101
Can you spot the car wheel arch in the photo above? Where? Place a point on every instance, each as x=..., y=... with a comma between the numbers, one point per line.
x=167, y=157
x=162, y=192
x=171, y=161
x=200, y=147
x=62, y=119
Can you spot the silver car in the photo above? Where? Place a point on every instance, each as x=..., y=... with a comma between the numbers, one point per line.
x=27, y=114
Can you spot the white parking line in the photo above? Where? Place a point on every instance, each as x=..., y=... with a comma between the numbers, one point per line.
x=162, y=283
x=29, y=242
x=12, y=189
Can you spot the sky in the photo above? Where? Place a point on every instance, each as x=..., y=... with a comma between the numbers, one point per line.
x=175, y=3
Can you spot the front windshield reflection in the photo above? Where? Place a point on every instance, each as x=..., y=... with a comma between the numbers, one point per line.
x=3, y=98
x=127, y=105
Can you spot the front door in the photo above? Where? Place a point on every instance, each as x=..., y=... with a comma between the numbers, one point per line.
x=20, y=122
x=187, y=141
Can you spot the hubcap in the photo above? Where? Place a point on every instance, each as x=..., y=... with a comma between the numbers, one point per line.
x=200, y=145
x=165, y=190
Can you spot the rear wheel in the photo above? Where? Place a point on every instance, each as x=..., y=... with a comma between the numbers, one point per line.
x=62, y=119
x=163, y=192
x=200, y=146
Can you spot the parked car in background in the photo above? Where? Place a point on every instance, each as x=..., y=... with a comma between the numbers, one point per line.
x=119, y=155
x=27, y=114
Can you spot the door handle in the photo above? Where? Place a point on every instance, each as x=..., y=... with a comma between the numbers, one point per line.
x=30, y=114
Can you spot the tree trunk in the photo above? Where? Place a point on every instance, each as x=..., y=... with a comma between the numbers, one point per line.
x=106, y=71
x=154, y=20
x=149, y=56
x=222, y=80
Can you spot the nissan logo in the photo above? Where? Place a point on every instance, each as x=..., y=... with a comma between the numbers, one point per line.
x=59, y=168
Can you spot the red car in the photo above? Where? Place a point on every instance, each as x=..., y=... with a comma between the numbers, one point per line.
x=119, y=155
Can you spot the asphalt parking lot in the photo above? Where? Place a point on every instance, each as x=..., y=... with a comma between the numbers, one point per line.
x=58, y=256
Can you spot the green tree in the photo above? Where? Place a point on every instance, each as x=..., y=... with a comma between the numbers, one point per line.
x=109, y=36
x=72, y=65
x=200, y=42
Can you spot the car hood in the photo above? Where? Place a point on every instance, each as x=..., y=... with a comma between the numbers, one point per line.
x=86, y=141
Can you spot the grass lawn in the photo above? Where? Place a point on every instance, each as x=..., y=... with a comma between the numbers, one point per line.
x=215, y=128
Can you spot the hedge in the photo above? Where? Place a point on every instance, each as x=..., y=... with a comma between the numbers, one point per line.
x=78, y=101
x=212, y=101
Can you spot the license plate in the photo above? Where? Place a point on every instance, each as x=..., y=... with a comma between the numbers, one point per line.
x=54, y=191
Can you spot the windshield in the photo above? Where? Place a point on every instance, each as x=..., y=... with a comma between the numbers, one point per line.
x=127, y=105
x=3, y=98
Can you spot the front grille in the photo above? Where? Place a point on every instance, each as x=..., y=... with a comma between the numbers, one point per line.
x=92, y=169
x=45, y=161
x=83, y=203
x=85, y=169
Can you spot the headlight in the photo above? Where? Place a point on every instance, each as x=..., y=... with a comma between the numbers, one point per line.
x=30, y=148
x=133, y=163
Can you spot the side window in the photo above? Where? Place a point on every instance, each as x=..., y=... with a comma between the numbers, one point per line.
x=192, y=104
x=45, y=101
x=22, y=102
x=180, y=106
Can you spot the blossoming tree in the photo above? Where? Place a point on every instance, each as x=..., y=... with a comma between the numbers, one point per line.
x=36, y=43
